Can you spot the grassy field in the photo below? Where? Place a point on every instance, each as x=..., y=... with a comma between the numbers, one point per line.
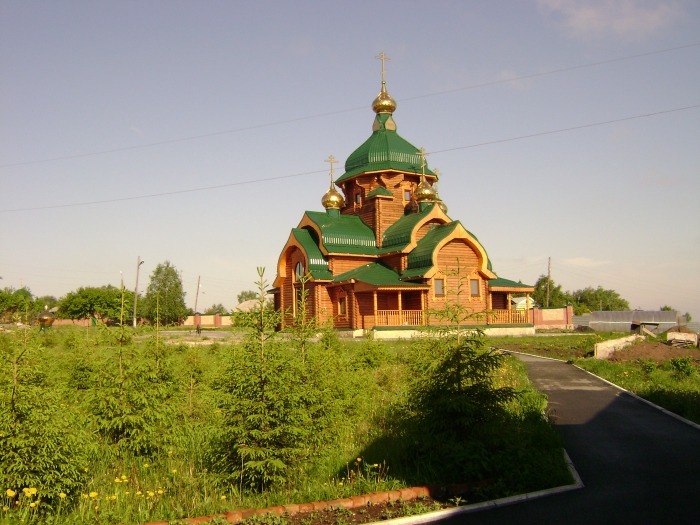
x=564, y=347
x=100, y=427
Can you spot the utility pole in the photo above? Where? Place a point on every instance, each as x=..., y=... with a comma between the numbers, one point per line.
x=139, y=262
x=196, y=297
x=549, y=277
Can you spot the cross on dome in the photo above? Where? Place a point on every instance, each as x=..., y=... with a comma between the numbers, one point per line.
x=422, y=154
x=332, y=161
x=382, y=56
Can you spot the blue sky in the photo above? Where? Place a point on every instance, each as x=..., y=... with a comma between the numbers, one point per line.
x=613, y=205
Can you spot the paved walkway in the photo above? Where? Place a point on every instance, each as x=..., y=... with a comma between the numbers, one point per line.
x=638, y=464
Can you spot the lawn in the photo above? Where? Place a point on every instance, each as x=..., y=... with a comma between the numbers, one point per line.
x=564, y=346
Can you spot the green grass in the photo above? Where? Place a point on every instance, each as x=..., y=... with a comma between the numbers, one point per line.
x=564, y=347
x=660, y=383
x=523, y=452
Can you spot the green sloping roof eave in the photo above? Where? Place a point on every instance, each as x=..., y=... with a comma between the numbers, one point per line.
x=344, y=233
x=422, y=255
x=500, y=282
x=375, y=274
x=379, y=190
x=385, y=149
x=317, y=263
x=398, y=235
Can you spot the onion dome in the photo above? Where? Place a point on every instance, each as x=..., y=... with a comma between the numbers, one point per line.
x=333, y=200
x=424, y=192
x=384, y=103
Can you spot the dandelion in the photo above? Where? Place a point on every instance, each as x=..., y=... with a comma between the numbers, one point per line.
x=138, y=493
x=114, y=497
x=93, y=494
x=145, y=465
x=160, y=492
x=6, y=508
x=359, y=459
x=170, y=452
x=117, y=480
x=32, y=504
x=223, y=498
x=127, y=493
x=10, y=493
x=375, y=465
x=62, y=495
x=151, y=494
x=85, y=496
x=86, y=469
x=124, y=478
x=174, y=471
x=97, y=507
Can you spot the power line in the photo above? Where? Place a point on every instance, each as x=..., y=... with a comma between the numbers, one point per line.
x=279, y=177
x=319, y=115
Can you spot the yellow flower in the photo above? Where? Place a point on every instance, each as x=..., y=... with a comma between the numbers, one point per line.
x=85, y=496
x=5, y=508
x=127, y=493
x=160, y=492
x=151, y=494
x=32, y=504
x=93, y=494
x=86, y=469
x=114, y=497
x=97, y=507
x=145, y=465
x=170, y=452
x=10, y=493
x=117, y=480
x=138, y=493
x=62, y=495
x=340, y=483
x=124, y=477
x=375, y=465
x=359, y=459
x=223, y=498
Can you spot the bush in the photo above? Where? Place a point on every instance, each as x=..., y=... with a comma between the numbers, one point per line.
x=682, y=366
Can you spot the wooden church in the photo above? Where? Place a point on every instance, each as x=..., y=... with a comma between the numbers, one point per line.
x=384, y=252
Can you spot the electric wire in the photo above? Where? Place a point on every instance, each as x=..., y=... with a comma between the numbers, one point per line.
x=337, y=112
x=279, y=177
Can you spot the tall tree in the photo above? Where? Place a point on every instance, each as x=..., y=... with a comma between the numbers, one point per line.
x=216, y=309
x=591, y=299
x=165, y=299
x=246, y=295
x=104, y=302
x=557, y=297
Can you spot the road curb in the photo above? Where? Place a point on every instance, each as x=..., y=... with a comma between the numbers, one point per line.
x=662, y=409
x=437, y=515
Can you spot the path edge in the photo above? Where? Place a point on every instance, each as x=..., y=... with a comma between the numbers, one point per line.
x=437, y=515
x=662, y=409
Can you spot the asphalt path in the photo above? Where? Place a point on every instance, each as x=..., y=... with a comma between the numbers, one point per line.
x=638, y=464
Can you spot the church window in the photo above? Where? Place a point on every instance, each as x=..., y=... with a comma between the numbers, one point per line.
x=407, y=195
x=474, y=287
x=358, y=198
x=343, y=306
x=439, y=285
x=298, y=271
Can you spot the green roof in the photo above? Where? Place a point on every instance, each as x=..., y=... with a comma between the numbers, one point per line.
x=507, y=283
x=344, y=233
x=384, y=150
x=375, y=274
x=318, y=265
x=379, y=190
x=398, y=235
x=420, y=260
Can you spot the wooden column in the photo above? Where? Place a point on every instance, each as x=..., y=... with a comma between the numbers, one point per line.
x=423, y=293
x=375, y=307
x=400, y=313
x=510, y=318
x=527, y=307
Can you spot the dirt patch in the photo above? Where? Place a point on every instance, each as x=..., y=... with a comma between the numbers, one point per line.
x=652, y=351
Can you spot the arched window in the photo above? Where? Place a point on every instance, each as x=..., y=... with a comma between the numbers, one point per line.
x=298, y=271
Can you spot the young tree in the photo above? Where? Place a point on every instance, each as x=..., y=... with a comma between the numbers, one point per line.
x=165, y=299
x=557, y=297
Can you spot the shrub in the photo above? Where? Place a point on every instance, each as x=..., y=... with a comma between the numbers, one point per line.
x=682, y=366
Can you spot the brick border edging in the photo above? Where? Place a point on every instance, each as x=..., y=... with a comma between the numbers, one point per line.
x=406, y=494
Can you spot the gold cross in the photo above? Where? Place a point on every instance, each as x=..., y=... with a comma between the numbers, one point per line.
x=436, y=172
x=332, y=161
x=422, y=154
x=382, y=56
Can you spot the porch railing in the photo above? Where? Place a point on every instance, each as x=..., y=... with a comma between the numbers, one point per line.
x=399, y=317
x=416, y=317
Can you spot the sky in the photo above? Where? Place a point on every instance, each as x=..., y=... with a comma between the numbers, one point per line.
x=104, y=104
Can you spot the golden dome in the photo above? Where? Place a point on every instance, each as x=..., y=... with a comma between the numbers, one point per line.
x=384, y=103
x=424, y=191
x=442, y=206
x=333, y=200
